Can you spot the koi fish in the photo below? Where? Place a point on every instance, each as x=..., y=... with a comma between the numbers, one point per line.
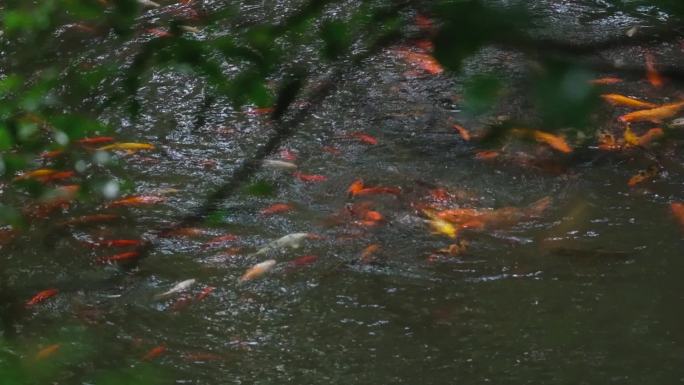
x=650, y=135
x=138, y=200
x=607, y=142
x=465, y=135
x=655, y=115
x=158, y=32
x=47, y=351
x=277, y=208
x=378, y=190
x=180, y=286
x=481, y=218
x=355, y=187
x=118, y=243
x=605, y=81
x=643, y=175
x=128, y=147
x=121, y=257
x=260, y=111
x=556, y=142
x=95, y=218
x=190, y=29
x=96, y=140
x=369, y=252
x=293, y=241
x=42, y=296
x=288, y=155
x=148, y=3
x=35, y=174
x=332, y=150
x=621, y=100
x=303, y=261
x=204, y=293
x=220, y=240
x=154, y=353
x=440, y=226
x=278, y=165
x=423, y=61
x=651, y=73
x=51, y=154
x=487, y=154
x=310, y=178
x=257, y=270
x=677, y=209
x=364, y=138
x=455, y=249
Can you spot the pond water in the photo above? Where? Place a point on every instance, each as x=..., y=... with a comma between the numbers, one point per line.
x=587, y=291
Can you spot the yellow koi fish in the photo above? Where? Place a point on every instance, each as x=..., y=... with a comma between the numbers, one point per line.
x=128, y=147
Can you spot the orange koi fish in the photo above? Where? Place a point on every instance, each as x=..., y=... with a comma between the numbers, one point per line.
x=138, y=200
x=154, y=353
x=423, y=61
x=486, y=155
x=35, y=174
x=465, y=135
x=158, y=32
x=204, y=293
x=96, y=140
x=42, y=296
x=621, y=100
x=51, y=154
x=364, y=138
x=632, y=139
x=378, y=190
x=605, y=81
x=355, y=187
x=128, y=147
x=121, y=257
x=655, y=115
x=482, y=218
x=47, y=351
x=257, y=270
x=277, y=208
x=424, y=22
x=678, y=211
x=260, y=111
x=310, y=178
x=369, y=253
x=556, y=142
x=651, y=73
x=643, y=175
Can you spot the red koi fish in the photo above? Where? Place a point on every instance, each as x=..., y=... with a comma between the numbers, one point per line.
x=310, y=178
x=96, y=140
x=364, y=138
x=121, y=257
x=486, y=155
x=42, y=296
x=47, y=351
x=154, y=353
x=119, y=243
x=139, y=200
x=643, y=176
x=303, y=261
x=51, y=154
x=158, y=32
x=205, y=293
x=332, y=150
x=260, y=111
x=421, y=60
x=277, y=208
x=357, y=188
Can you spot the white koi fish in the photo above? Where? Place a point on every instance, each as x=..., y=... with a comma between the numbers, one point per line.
x=279, y=165
x=180, y=286
x=293, y=241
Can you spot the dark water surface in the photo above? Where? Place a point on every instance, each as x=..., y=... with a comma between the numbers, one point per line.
x=590, y=292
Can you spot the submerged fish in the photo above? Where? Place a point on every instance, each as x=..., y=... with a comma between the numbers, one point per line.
x=279, y=164
x=621, y=100
x=655, y=115
x=129, y=147
x=47, y=351
x=180, y=286
x=42, y=296
x=293, y=241
x=154, y=353
x=257, y=270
